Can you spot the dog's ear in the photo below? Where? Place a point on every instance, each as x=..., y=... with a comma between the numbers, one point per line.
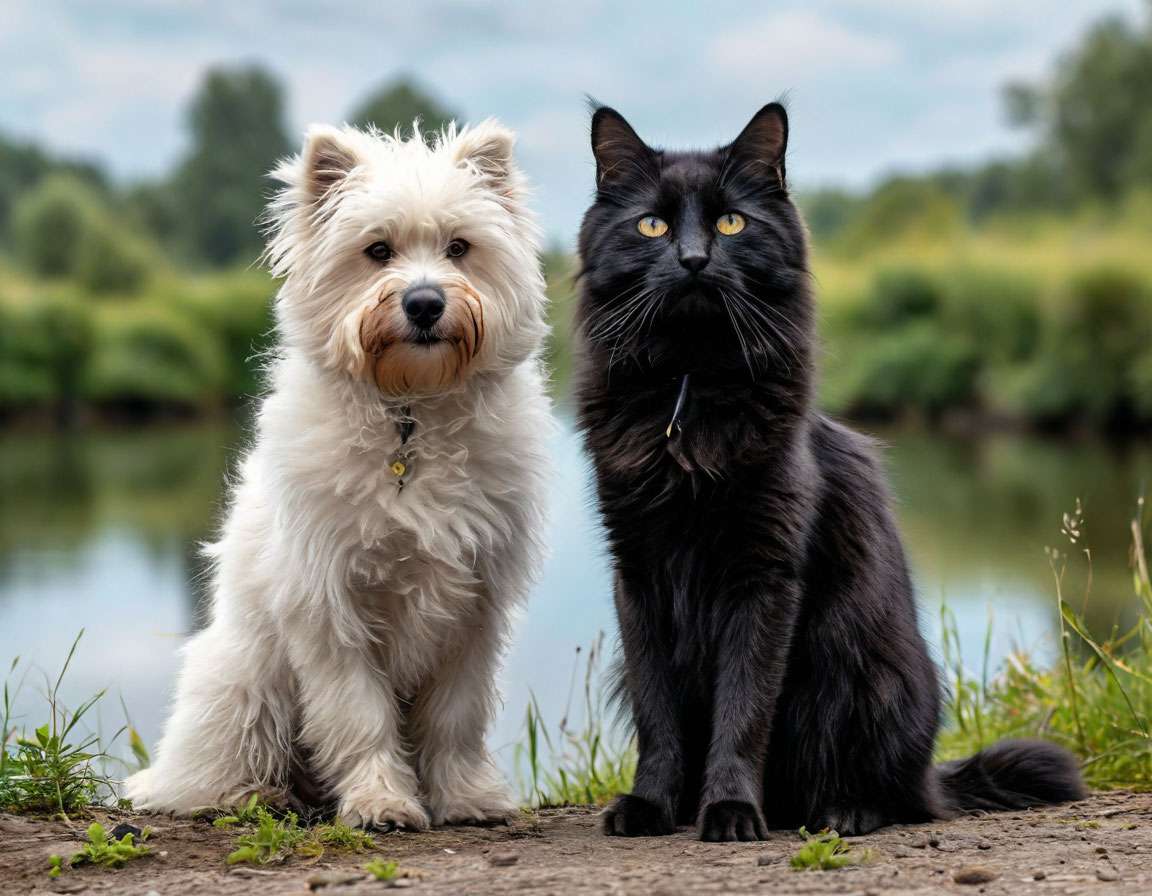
x=329, y=156
x=487, y=147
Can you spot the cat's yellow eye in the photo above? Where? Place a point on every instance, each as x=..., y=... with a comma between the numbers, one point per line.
x=651, y=226
x=730, y=224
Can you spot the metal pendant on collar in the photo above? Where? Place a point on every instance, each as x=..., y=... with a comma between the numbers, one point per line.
x=404, y=461
x=674, y=423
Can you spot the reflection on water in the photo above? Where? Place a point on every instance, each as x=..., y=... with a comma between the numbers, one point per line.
x=99, y=530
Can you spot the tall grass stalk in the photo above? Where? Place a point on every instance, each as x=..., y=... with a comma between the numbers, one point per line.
x=59, y=767
x=585, y=764
x=1095, y=700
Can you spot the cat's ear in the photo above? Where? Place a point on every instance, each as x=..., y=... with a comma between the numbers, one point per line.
x=329, y=156
x=763, y=144
x=620, y=153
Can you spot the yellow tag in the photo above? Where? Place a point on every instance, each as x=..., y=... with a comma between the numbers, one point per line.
x=398, y=468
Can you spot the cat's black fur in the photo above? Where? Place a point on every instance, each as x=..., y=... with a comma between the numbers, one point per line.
x=772, y=661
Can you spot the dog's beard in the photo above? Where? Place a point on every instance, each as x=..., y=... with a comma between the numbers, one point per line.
x=403, y=362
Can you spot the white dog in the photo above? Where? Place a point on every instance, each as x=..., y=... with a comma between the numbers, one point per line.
x=388, y=517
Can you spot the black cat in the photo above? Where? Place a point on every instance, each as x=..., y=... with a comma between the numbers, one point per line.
x=772, y=661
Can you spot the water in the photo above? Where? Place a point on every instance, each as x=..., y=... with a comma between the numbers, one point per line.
x=98, y=531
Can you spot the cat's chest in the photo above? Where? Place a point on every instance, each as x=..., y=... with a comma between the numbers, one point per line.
x=669, y=436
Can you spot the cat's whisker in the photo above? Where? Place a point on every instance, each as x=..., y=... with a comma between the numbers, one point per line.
x=627, y=301
x=739, y=333
x=623, y=319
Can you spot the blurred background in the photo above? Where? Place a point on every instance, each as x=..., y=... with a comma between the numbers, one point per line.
x=977, y=177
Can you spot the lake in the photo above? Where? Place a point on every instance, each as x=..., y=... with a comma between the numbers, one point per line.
x=98, y=530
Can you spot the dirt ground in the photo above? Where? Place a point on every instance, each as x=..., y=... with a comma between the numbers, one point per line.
x=1100, y=846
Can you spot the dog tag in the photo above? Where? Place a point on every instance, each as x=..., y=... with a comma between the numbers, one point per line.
x=401, y=469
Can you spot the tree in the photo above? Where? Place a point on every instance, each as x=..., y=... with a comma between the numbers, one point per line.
x=1094, y=115
x=399, y=103
x=238, y=133
x=23, y=166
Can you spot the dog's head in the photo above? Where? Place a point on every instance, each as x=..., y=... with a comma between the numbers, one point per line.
x=407, y=263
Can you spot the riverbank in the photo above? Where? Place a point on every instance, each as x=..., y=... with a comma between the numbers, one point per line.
x=1098, y=846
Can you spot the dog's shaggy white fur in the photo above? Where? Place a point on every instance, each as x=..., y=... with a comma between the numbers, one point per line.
x=356, y=626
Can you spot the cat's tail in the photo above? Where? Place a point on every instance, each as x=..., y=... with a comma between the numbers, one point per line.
x=1013, y=774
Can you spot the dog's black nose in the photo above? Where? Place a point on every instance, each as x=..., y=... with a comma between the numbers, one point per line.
x=424, y=304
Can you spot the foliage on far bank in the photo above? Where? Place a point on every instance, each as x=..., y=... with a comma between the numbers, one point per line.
x=190, y=343
x=933, y=336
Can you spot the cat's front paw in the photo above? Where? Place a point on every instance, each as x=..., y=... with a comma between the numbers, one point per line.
x=633, y=816
x=850, y=822
x=726, y=820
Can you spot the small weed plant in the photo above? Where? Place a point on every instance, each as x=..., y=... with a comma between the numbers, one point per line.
x=826, y=851
x=274, y=836
x=345, y=838
x=103, y=850
x=382, y=870
x=272, y=839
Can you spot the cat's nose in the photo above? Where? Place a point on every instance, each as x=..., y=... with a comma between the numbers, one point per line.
x=694, y=260
x=423, y=304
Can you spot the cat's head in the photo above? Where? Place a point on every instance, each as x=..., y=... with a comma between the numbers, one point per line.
x=699, y=252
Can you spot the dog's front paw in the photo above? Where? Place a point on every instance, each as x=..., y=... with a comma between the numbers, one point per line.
x=141, y=789
x=633, y=816
x=384, y=811
x=726, y=820
x=482, y=809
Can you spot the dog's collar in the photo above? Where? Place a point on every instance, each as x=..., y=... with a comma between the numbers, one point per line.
x=405, y=423
x=404, y=459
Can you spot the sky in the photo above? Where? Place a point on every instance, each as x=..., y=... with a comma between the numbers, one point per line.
x=873, y=86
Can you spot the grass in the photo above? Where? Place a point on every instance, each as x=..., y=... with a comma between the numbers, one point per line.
x=382, y=870
x=58, y=768
x=826, y=851
x=1095, y=700
x=340, y=836
x=250, y=813
x=275, y=836
x=103, y=850
x=584, y=765
x=271, y=839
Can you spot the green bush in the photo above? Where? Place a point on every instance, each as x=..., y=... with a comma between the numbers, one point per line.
x=44, y=345
x=900, y=295
x=62, y=230
x=1088, y=363
x=997, y=311
x=237, y=310
x=113, y=261
x=919, y=367
x=150, y=354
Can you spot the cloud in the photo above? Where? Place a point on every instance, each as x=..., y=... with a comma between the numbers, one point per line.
x=797, y=44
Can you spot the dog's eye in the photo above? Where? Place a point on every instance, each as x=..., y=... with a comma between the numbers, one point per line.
x=458, y=248
x=651, y=226
x=379, y=251
x=730, y=224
